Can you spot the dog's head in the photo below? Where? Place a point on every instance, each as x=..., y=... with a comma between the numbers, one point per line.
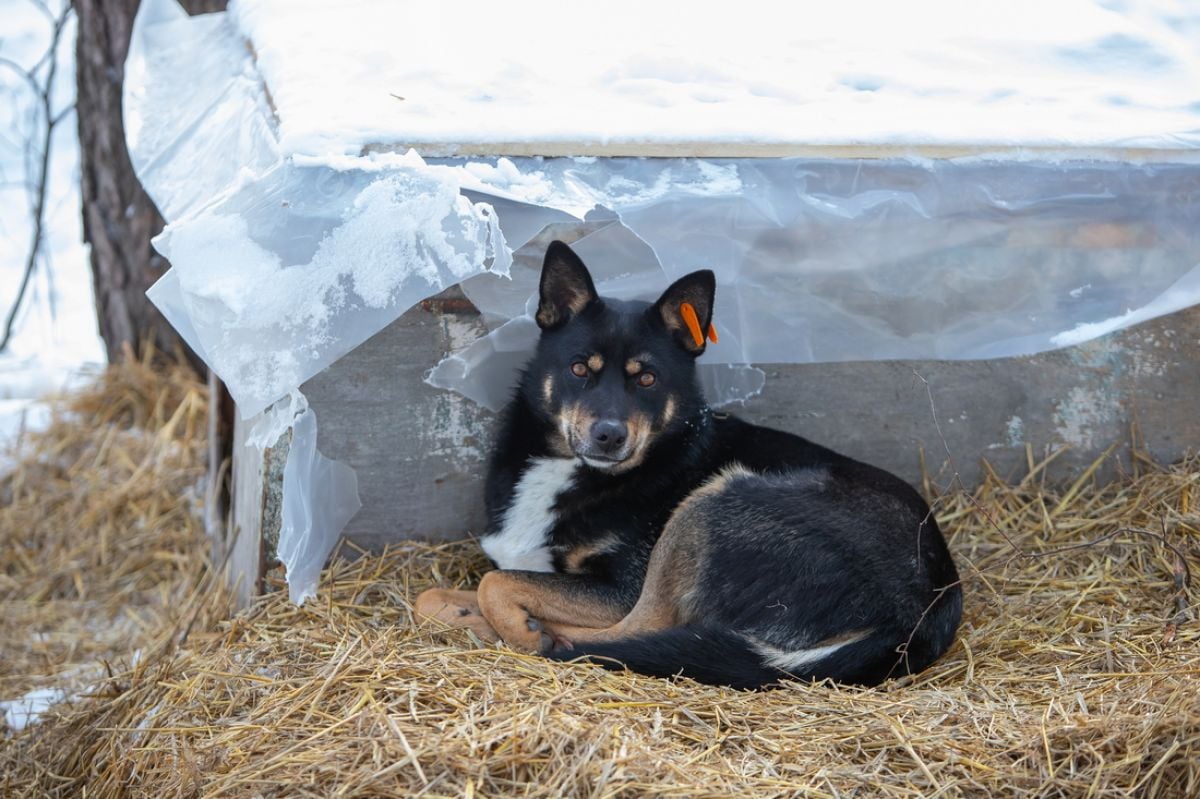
x=614, y=377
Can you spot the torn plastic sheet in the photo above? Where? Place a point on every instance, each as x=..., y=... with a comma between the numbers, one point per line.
x=319, y=497
x=277, y=281
x=281, y=263
x=622, y=265
x=851, y=259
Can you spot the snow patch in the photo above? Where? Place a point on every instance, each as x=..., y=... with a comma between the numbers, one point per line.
x=29, y=709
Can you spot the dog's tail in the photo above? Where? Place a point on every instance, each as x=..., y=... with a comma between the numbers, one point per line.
x=705, y=654
x=723, y=657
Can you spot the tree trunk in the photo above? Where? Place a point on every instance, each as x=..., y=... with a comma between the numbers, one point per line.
x=119, y=219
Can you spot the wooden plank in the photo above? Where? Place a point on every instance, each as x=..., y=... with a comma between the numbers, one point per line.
x=245, y=566
x=710, y=149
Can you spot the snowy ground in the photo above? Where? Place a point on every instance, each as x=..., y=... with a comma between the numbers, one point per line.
x=55, y=337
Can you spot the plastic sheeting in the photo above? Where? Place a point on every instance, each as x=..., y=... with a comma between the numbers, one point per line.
x=282, y=263
x=320, y=497
x=856, y=259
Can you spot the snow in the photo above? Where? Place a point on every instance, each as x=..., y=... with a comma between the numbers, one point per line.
x=561, y=78
x=28, y=709
x=72, y=684
x=56, y=335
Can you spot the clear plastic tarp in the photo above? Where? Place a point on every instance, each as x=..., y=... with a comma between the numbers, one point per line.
x=282, y=262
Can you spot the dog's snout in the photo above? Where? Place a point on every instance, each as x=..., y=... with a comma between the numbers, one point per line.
x=609, y=435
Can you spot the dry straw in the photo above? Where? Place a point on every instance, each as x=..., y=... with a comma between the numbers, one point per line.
x=1075, y=673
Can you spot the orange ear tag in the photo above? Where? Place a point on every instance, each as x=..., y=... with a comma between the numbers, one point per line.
x=692, y=321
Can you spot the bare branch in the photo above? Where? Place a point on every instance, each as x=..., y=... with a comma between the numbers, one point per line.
x=41, y=176
x=62, y=114
x=23, y=73
x=45, y=9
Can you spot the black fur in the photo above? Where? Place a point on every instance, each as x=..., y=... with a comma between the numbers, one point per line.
x=812, y=546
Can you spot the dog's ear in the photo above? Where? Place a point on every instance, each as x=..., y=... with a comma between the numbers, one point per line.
x=686, y=309
x=566, y=287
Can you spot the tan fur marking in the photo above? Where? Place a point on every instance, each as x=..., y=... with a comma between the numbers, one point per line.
x=548, y=389
x=595, y=363
x=671, y=578
x=509, y=600
x=637, y=363
x=575, y=423
x=578, y=302
x=640, y=433
x=719, y=481
x=575, y=559
x=668, y=412
x=672, y=317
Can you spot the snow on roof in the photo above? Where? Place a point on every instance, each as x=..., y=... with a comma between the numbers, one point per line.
x=753, y=78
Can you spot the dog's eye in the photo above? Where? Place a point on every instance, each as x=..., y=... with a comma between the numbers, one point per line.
x=579, y=369
x=646, y=379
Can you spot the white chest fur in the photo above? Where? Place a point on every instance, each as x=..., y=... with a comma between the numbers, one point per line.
x=523, y=541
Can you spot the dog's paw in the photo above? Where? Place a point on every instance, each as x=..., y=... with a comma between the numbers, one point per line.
x=553, y=643
x=454, y=609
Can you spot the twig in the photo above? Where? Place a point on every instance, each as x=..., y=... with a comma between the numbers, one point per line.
x=1179, y=579
x=902, y=650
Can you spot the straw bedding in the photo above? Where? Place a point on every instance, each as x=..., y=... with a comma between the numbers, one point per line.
x=1075, y=673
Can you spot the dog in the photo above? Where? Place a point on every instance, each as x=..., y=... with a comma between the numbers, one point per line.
x=633, y=526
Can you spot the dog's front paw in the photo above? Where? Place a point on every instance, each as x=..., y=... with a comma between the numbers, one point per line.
x=539, y=641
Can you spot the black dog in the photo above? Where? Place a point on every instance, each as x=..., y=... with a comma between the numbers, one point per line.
x=633, y=525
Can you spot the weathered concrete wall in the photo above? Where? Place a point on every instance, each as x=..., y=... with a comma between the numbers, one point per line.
x=420, y=453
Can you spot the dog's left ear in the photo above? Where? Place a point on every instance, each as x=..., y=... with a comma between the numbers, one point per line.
x=566, y=287
x=686, y=309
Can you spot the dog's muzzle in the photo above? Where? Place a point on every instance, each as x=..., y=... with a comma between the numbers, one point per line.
x=606, y=445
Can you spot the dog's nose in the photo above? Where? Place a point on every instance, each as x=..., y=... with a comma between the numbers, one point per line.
x=609, y=435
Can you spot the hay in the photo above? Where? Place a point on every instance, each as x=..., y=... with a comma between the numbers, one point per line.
x=1067, y=680
x=99, y=535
